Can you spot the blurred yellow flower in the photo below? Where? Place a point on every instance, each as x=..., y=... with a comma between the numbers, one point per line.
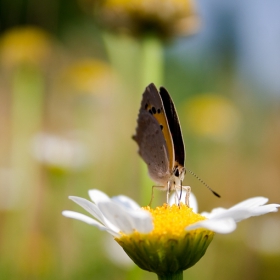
x=163, y=18
x=212, y=116
x=88, y=76
x=29, y=45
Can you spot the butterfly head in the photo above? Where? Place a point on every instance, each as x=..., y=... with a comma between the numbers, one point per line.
x=177, y=177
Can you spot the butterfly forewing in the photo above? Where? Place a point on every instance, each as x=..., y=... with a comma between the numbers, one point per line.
x=174, y=126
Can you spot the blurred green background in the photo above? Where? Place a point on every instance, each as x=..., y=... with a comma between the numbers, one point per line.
x=70, y=94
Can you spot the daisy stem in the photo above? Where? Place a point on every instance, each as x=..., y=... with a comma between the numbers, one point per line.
x=175, y=276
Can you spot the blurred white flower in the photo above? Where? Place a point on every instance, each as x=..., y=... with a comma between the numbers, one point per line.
x=56, y=151
x=116, y=254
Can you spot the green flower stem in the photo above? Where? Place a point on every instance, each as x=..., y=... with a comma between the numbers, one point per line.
x=123, y=55
x=152, y=59
x=152, y=66
x=175, y=276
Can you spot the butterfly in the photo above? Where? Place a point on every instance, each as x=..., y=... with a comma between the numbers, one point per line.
x=160, y=141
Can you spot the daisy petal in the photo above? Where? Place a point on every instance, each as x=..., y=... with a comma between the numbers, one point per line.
x=94, y=211
x=245, y=209
x=236, y=214
x=88, y=206
x=193, y=203
x=117, y=215
x=251, y=202
x=217, y=225
x=83, y=218
x=88, y=220
x=264, y=209
x=126, y=202
x=97, y=196
x=142, y=221
x=214, y=212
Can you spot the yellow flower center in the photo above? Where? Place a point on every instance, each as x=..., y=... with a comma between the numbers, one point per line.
x=169, y=223
x=172, y=220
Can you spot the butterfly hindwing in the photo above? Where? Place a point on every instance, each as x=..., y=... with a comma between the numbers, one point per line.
x=152, y=147
x=152, y=103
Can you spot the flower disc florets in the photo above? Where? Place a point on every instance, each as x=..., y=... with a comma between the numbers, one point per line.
x=169, y=247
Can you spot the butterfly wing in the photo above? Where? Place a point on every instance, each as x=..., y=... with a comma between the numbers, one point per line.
x=174, y=126
x=152, y=147
x=153, y=136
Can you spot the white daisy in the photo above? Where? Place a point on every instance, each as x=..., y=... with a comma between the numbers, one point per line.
x=168, y=239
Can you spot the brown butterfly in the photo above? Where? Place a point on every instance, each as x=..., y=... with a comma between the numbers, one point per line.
x=160, y=141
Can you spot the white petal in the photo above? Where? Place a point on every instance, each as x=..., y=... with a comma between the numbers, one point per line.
x=193, y=203
x=126, y=221
x=94, y=211
x=243, y=210
x=251, y=202
x=172, y=199
x=214, y=212
x=117, y=215
x=88, y=206
x=264, y=209
x=127, y=202
x=142, y=221
x=97, y=196
x=217, y=225
x=236, y=214
x=88, y=220
x=83, y=218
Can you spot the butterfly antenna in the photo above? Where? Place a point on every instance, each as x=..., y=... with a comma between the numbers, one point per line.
x=216, y=194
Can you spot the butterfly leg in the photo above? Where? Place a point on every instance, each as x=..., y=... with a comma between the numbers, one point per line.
x=188, y=193
x=152, y=197
x=169, y=188
x=161, y=188
x=181, y=191
x=177, y=196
